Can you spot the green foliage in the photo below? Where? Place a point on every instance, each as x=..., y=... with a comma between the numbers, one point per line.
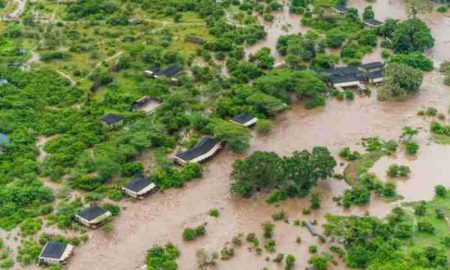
x=214, y=213
x=282, y=82
x=262, y=58
x=267, y=228
x=28, y=252
x=30, y=226
x=295, y=175
x=114, y=209
x=378, y=244
x=412, y=35
x=356, y=196
x=348, y=155
x=399, y=80
x=440, y=191
x=263, y=126
x=236, y=136
x=312, y=249
x=290, y=262
x=368, y=13
x=162, y=258
x=190, y=234
x=319, y=262
x=415, y=60
x=169, y=178
x=395, y=170
x=226, y=253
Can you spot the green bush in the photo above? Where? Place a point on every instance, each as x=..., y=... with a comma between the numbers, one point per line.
x=159, y=257
x=190, y=234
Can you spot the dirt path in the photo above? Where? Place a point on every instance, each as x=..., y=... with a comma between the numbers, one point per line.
x=15, y=14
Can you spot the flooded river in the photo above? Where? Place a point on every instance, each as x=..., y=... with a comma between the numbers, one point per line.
x=163, y=216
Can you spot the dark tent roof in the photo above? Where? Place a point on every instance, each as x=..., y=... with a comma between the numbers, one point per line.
x=242, y=118
x=341, y=8
x=373, y=22
x=53, y=250
x=137, y=184
x=311, y=228
x=92, y=212
x=171, y=70
x=201, y=148
x=343, y=78
x=111, y=118
x=375, y=75
x=143, y=101
x=372, y=65
x=154, y=69
x=345, y=70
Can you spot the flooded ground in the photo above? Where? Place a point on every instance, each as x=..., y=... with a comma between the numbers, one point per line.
x=284, y=23
x=163, y=216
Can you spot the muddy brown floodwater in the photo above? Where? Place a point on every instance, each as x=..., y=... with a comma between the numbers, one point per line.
x=163, y=216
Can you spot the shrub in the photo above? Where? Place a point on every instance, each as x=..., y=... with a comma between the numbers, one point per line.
x=290, y=261
x=267, y=228
x=114, y=209
x=395, y=170
x=264, y=126
x=440, y=191
x=162, y=257
x=420, y=209
x=312, y=249
x=425, y=226
x=411, y=148
x=214, y=212
x=280, y=215
x=190, y=234
x=226, y=253
x=270, y=245
x=30, y=226
x=348, y=155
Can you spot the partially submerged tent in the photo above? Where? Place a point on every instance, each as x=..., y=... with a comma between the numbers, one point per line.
x=139, y=187
x=93, y=216
x=244, y=119
x=55, y=253
x=203, y=150
x=373, y=71
x=373, y=22
x=343, y=77
x=311, y=228
x=342, y=9
x=146, y=104
x=112, y=120
x=170, y=72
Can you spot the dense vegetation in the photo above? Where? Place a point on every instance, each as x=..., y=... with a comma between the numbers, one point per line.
x=394, y=242
x=64, y=65
x=293, y=176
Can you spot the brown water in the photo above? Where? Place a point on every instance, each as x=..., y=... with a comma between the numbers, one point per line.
x=162, y=217
x=438, y=22
x=284, y=23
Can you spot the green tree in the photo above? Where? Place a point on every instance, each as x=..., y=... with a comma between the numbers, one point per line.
x=320, y=262
x=236, y=136
x=399, y=80
x=260, y=171
x=412, y=35
x=368, y=13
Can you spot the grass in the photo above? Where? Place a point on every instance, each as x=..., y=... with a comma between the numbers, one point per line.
x=441, y=226
x=355, y=168
x=441, y=139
